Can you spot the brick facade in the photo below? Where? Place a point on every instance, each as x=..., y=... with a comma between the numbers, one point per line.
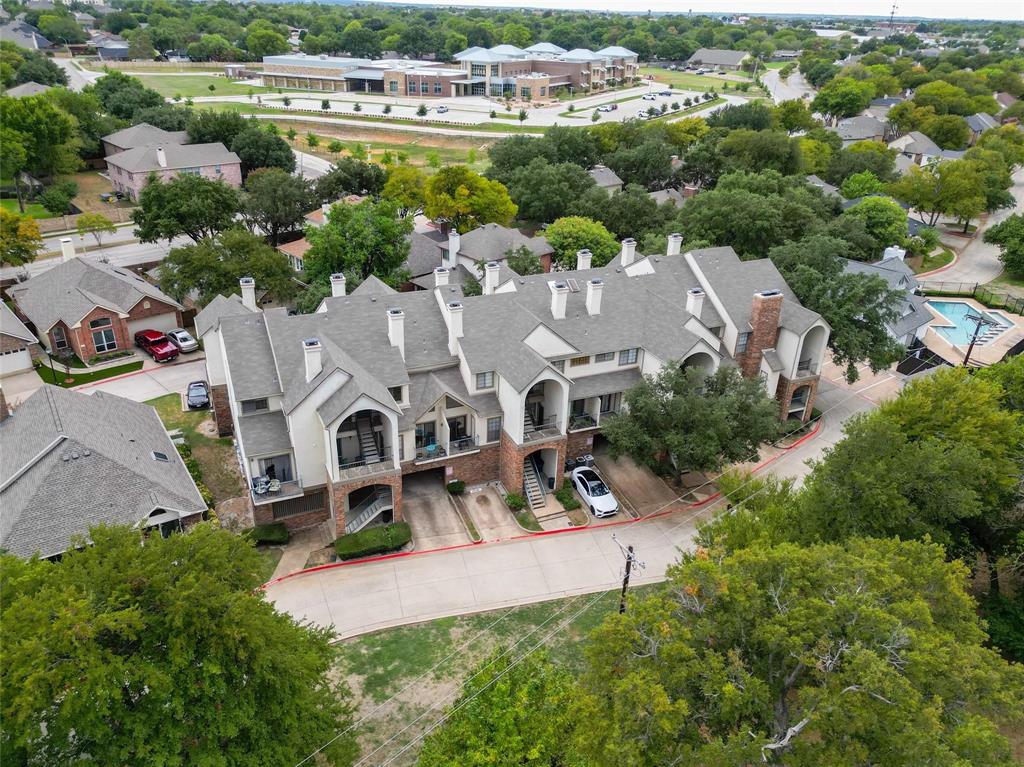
x=80, y=338
x=580, y=442
x=222, y=410
x=764, y=324
x=784, y=394
x=264, y=513
x=132, y=183
x=473, y=469
x=150, y=307
x=510, y=466
x=341, y=490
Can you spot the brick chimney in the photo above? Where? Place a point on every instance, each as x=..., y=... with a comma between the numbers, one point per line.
x=764, y=323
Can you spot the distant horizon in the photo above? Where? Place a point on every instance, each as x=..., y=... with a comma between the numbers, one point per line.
x=907, y=10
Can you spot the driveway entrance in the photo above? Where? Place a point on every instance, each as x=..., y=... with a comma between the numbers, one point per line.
x=429, y=512
x=638, y=489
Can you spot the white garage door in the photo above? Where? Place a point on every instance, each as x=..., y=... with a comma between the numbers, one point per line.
x=162, y=322
x=15, y=362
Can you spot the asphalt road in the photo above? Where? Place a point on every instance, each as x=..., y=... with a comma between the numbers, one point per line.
x=794, y=87
x=126, y=254
x=77, y=79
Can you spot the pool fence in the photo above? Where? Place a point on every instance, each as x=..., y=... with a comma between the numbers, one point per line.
x=993, y=299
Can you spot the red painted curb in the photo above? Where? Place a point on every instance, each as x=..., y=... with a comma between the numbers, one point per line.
x=539, y=533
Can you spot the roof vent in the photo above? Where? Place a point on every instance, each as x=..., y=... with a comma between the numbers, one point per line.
x=573, y=285
x=157, y=456
x=65, y=457
x=74, y=456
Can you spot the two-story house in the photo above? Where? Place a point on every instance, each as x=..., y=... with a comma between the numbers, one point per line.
x=334, y=409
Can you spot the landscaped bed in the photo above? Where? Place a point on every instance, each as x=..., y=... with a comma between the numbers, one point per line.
x=373, y=540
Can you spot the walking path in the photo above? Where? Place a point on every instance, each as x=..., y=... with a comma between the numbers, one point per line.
x=407, y=588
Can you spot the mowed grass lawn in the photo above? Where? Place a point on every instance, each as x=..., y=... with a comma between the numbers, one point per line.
x=380, y=665
x=33, y=209
x=78, y=376
x=197, y=85
x=216, y=456
x=692, y=82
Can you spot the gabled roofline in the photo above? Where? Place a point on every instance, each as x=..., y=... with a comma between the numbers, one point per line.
x=32, y=462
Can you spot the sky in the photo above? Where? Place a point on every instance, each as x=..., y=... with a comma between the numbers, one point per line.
x=949, y=9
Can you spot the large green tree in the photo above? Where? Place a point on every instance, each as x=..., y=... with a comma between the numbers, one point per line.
x=359, y=240
x=464, y=200
x=274, y=202
x=867, y=653
x=257, y=148
x=352, y=176
x=884, y=220
x=571, y=234
x=843, y=97
x=543, y=191
x=214, y=265
x=19, y=238
x=46, y=133
x=189, y=205
x=404, y=186
x=160, y=651
x=1009, y=236
x=684, y=419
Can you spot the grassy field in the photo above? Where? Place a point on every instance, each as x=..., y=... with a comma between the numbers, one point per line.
x=157, y=66
x=413, y=149
x=935, y=260
x=215, y=455
x=378, y=666
x=197, y=85
x=701, y=83
x=269, y=557
x=33, y=209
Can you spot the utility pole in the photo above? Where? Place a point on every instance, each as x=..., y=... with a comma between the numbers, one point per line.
x=979, y=321
x=627, y=552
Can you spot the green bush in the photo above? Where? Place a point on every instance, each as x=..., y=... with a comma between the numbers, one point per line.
x=456, y=487
x=515, y=501
x=275, y=532
x=566, y=497
x=373, y=540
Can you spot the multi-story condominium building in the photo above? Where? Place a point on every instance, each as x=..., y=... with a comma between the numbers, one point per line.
x=502, y=71
x=334, y=409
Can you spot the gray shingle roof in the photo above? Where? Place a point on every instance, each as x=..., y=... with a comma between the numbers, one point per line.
x=63, y=453
x=604, y=177
x=27, y=89
x=72, y=289
x=219, y=307
x=718, y=57
x=859, y=128
x=264, y=433
x=608, y=383
x=424, y=252
x=23, y=35
x=914, y=142
x=490, y=242
x=894, y=271
x=247, y=346
x=373, y=286
x=10, y=325
x=142, y=134
x=142, y=159
x=425, y=389
x=673, y=196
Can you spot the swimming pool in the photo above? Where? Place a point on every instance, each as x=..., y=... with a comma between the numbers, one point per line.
x=958, y=313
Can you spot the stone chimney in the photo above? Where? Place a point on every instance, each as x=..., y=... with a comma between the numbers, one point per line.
x=454, y=245
x=694, y=301
x=583, y=259
x=67, y=249
x=396, y=329
x=314, y=362
x=764, y=329
x=248, y=286
x=490, y=277
x=161, y=157
x=594, y=289
x=338, y=285
x=675, y=244
x=440, y=277
x=628, y=252
x=559, y=297
x=454, y=326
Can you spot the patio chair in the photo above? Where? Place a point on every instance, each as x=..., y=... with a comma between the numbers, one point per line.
x=274, y=486
x=260, y=486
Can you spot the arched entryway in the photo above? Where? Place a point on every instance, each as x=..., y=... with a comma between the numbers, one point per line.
x=812, y=351
x=800, y=401
x=363, y=439
x=544, y=409
x=700, y=360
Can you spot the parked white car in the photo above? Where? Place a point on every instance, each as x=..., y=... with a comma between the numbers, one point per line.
x=594, y=492
x=649, y=97
x=183, y=340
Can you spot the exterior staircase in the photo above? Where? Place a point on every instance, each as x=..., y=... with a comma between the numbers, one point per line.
x=532, y=486
x=366, y=512
x=367, y=442
x=528, y=424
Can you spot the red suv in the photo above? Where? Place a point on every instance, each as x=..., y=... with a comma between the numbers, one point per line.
x=156, y=345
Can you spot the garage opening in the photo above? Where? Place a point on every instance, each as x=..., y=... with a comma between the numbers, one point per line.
x=425, y=482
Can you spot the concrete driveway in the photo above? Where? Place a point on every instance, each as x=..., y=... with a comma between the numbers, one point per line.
x=638, y=489
x=489, y=513
x=430, y=514
x=152, y=381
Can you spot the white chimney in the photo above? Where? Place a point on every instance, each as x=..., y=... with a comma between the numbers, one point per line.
x=490, y=277
x=454, y=326
x=67, y=249
x=454, y=245
x=325, y=209
x=559, y=296
x=594, y=289
x=248, y=286
x=894, y=252
x=675, y=244
x=694, y=301
x=314, y=363
x=161, y=157
x=338, y=285
x=396, y=329
x=440, y=277
x=628, y=252
x=583, y=259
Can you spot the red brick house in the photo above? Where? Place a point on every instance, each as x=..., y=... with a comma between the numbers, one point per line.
x=92, y=308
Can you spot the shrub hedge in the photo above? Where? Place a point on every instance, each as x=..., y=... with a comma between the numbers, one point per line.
x=373, y=540
x=515, y=501
x=275, y=532
x=565, y=496
x=456, y=487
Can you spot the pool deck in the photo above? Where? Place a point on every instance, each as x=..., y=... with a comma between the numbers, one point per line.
x=983, y=356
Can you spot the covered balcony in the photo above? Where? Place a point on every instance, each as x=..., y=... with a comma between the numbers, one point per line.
x=812, y=352
x=450, y=430
x=273, y=479
x=364, y=444
x=543, y=411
